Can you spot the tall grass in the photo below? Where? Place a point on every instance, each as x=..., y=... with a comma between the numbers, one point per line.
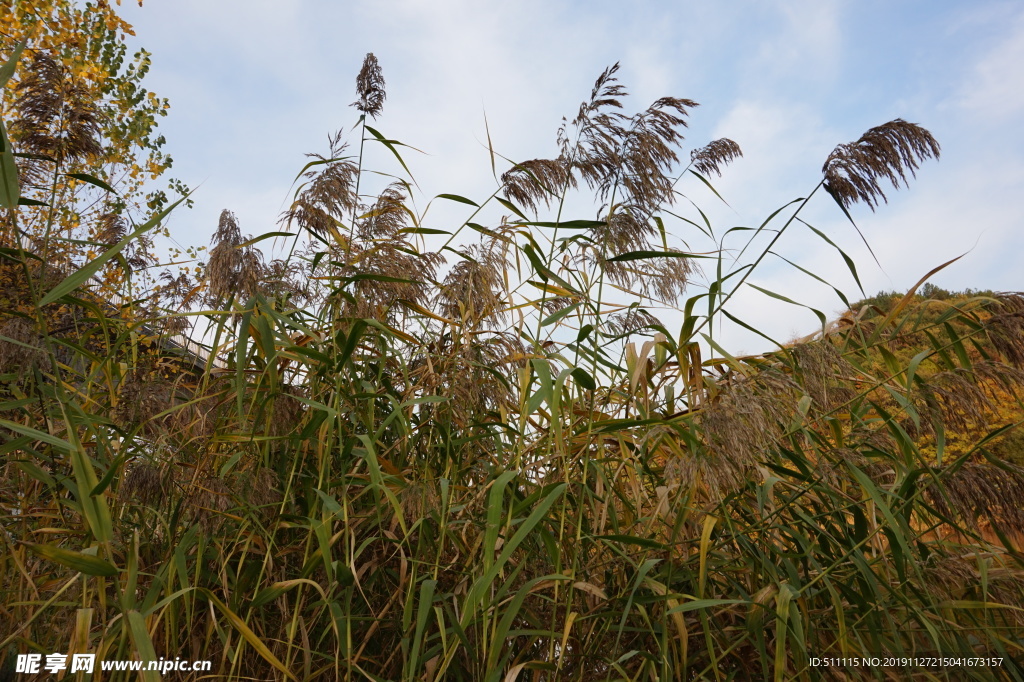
x=493, y=461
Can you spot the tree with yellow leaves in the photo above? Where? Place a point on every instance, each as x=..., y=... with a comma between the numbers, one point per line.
x=84, y=130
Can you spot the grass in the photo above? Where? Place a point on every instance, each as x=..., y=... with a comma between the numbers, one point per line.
x=503, y=465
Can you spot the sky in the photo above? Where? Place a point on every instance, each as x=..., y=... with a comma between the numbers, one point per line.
x=255, y=84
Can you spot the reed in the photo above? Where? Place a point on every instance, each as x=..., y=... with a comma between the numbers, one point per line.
x=494, y=461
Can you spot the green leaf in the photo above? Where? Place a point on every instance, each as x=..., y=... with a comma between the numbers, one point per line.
x=849, y=261
x=494, y=511
x=266, y=235
x=567, y=224
x=10, y=192
x=33, y=470
x=329, y=411
x=751, y=328
x=112, y=471
x=481, y=584
x=7, y=70
x=76, y=561
x=37, y=157
x=632, y=540
x=456, y=197
x=422, y=614
x=704, y=604
x=584, y=379
x=709, y=186
x=646, y=255
x=821, y=315
x=391, y=144
x=840, y=294
x=269, y=594
x=80, y=277
x=143, y=644
x=92, y=180
x=559, y=314
x=422, y=230
x=58, y=443
x=512, y=207
x=850, y=218
x=733, y=362
x=254, y=641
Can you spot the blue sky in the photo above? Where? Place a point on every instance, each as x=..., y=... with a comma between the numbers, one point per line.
x=255, y=84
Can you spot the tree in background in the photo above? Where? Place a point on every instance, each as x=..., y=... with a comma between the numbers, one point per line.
x=85, y=130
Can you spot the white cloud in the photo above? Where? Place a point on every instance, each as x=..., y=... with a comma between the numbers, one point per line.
x=995, y=89
x=804, y=43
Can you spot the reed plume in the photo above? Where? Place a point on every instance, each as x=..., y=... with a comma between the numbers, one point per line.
x=853, y=171
x=370, y=87
x=537, y=181
x=329, y=195
x=981, y=490
x=234, y=271
x=1005, y=328
x=631, y=155
x=384, y=267
x=714, y=156
x=474, y=287
x=58, y=117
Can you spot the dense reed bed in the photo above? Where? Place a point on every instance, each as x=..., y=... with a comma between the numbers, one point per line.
x=491, y=459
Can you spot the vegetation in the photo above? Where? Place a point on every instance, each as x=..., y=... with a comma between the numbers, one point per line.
x=84, y=124
x=493, y=461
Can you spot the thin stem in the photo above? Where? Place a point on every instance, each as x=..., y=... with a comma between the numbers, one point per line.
x=753, y=266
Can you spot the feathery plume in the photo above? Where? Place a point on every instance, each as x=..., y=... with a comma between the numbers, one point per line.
x=370, y=86
x=626, y=229
x=26, y=353
x=1005, y=328
x=57, y=117
x=539, y=180
x=632, y=320
x=981, y=490
x=739, y=426
x=630, y=155
x=387, y=215
x=233, y=270
x=329, y=194
x=817, y=366
x=385, y=266
x=146, y=481
x=714, y=156
x=474, y=286
x=853, y=170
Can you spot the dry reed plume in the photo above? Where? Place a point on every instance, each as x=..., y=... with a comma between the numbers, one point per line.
x=887, y=152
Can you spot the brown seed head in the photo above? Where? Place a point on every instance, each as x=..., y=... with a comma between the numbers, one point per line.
x=473, y=290
x=370, y=86
x=329, y=195
x=21, y=351
x=853, y=171
x=1005, y=328
x=981, y=490
x=57, y=115
x=539, y=180
x=233, y=270
x=714, y=156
